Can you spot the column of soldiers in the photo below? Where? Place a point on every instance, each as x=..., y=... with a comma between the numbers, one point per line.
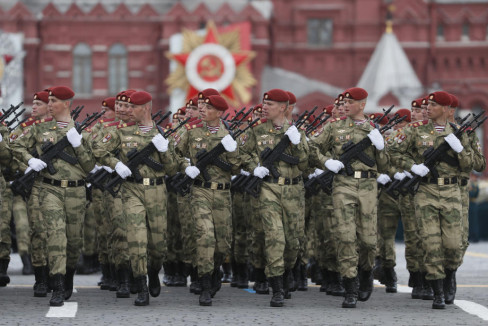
x=148, y=223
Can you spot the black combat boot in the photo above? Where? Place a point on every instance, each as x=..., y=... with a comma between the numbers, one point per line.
x=40, y=287
x=302, y=280
x=4, y=278
x=243, y=276
x=278, y=293
x=325, y=281
x=390, y=279
x=169, y=273
x=87, y=264
x=124, y=289
x=287, y=278
x=378, y=270
x=216, y=280
x=104, y=281
x=438, y=288
x=351, y=296
x=154, y=282
x=133, y=287
x=235, y=275
x=205, y=297
x=427, y=292
x=336, y=288
x=114, y=284
x=142, y=291
x=450, y=286
x=27, y=268
x=415, y=282
x=227, y=277
x=365, y=285
x=179, y=278
x=57, y=298
x=261, y=284
x=68, y=282
x=195, y=286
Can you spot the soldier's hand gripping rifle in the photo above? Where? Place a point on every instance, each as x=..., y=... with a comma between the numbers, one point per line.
x=137, y=158
x=205, y=158
x=50, y=152
x=351, y=153
x=433, y=156
x=270, y=156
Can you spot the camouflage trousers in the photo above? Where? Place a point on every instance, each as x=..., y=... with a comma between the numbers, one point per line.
x=281, y=209
x=326, y=226
x=256, y=235
x=388, y=217
x=21, y=220
x=413, y=244
x=465, y=217
x=38, y=236
x=213, y=227
x=174, y=235
x=439, y=210
x=354, y=202
x=118, y=252
x=90, y=224
x=187, y=223
x=5, y=237
x=241, y=212
x=306, y=234
x=144, y=208
x=63, y=210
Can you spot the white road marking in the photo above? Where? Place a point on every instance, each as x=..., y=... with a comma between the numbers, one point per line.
x=67, y=311
x=473, y=308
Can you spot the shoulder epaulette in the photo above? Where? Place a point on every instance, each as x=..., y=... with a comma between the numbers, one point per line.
x=123, y=125
x=195, y=122
x=43, y=120
x=28, y=123
x=106, y=120
x=418, y=123
x=88, y=130
x=260, y=122
x=193, y=126
x=372, y=124
x=112, y=124
x=338, y=119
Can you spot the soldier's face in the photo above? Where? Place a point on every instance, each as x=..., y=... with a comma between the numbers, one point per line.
x=122, y=111
x=137, y=112
x=273, y=110
x=417, y=114
x=109, y=113
x=353, y=108
x=436, y=111
x=192, y=112
x=210, y=114
x=39, y=109
x=341, y=112
x=201, y=105
x=57, y=107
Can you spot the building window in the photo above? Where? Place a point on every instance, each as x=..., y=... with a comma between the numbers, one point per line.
x=82, y=69
x=319, y=31
x=440, y=32
x=117, y=69
x=465, y=34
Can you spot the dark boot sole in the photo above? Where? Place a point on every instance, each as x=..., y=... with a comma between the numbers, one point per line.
x=438, y=307
x=391, y=290
x=155, y=294
x=348, y=305
x=56, y=304
x=141, y=304
x=276, y=304
x=123, y=295
x=205, y=304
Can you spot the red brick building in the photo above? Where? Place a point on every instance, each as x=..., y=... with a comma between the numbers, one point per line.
x=99, y=49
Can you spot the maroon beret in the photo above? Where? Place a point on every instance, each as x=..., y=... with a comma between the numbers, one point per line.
x=276, y=95
x=182, y=110
x=356, y=93
x=258, y=108
x=417, y=103
x=42, y=96
x=328, y=109
x=217, y=102
x=192, y=102
x=340, y=97
x=441, y=98
x=454, y=101
x=292, y=98
x=425, y=100
x=405, y=112
x=62, y=92
x=109, y=102
x=124, y=95
x=139, y=98
x=207, y=92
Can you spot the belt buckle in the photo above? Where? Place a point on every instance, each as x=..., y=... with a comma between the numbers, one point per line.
x=64, y=183
x=357, y=174
x=214, y=185
x=146, y=181
x=440, y=181
x=281, y=181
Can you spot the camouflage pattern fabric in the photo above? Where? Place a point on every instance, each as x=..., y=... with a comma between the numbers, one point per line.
x=38, y=228
x=22, y=229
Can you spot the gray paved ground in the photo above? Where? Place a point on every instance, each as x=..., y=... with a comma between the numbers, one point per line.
x=176, y=306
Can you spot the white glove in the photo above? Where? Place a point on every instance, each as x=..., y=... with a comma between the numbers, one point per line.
x=1, y=138
x=229, y=143
x=383, y=179
x=244, y=172
x=420, y=169
x=74, y=137
x=160, y=143
x=377, y=139
x=311, y=175
x=408, y=174
x=96, y=168
x=122, y=170
x=334, y=165
x=192, y=171
x=36, y=164
x=454, y=142
x=108, y=169
x=294, y=135
x=399, y=176
x=318, y=172
x=261, y=172
x=27, y=170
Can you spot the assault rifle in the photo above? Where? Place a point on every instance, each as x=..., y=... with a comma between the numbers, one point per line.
x=76, y=112
x=14, y=119
x=10, y=111
x=433, y=156
x=19, y=123
x=137, y=158
x=270, y=156
x=311, y=128
x=204, y=159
